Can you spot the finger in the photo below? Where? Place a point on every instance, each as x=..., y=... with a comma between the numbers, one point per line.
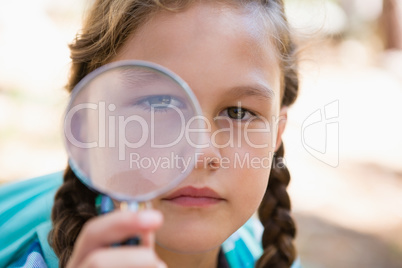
x=123, y=257
x=114, y=227
x=148, y=239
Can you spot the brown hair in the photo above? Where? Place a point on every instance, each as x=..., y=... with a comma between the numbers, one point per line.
x=105, y=30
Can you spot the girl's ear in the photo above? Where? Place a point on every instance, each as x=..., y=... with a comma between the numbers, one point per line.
x=282, y=120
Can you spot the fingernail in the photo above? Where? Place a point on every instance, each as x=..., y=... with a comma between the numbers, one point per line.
x=149, y=217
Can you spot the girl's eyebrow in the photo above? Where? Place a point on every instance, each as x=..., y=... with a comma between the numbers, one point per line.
x=262, y=91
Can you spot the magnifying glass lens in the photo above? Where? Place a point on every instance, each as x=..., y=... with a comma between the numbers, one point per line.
x=126, y=130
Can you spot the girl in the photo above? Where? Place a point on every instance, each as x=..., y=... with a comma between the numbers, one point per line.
x=239, y=59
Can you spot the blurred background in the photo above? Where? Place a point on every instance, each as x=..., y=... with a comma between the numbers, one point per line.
x=343, y=140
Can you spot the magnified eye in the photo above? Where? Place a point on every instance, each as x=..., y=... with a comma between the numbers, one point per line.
x=239, y=113
x=160, y=102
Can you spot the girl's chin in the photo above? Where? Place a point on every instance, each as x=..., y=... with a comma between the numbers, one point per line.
x=188, y=240
x=193, y=236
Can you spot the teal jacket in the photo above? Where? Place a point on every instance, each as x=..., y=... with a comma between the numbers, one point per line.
x=25, y=223
x=25, y=209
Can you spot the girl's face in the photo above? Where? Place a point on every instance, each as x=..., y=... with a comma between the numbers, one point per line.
x=226, y=56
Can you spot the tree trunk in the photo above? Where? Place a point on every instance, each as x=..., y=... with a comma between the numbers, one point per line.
x=391, y=20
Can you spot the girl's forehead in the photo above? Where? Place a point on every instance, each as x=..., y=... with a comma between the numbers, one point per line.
x=221, y=42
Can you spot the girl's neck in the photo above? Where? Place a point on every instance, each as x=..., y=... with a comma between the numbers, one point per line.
x=208, y=259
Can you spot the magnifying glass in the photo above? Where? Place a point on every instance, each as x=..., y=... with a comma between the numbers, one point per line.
x=126, y=131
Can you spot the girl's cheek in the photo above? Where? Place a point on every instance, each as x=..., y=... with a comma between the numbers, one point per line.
x=255, y=151
x=251, y=167
x=256, y=134
x=249, y=172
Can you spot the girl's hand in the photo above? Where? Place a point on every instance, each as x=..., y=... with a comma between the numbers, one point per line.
x=93, y=245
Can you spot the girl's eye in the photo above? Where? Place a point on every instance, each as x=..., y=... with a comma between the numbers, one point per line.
x=159, y=102
x=239, y=113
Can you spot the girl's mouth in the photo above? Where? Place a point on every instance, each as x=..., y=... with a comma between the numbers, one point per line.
x=194, y=197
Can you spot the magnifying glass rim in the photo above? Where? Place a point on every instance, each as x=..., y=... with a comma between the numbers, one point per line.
x=131, y=63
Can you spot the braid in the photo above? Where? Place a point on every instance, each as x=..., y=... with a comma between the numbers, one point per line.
x=74, y=205
x=274, y=213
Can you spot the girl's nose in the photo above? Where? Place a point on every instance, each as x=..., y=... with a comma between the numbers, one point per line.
x=208, y=156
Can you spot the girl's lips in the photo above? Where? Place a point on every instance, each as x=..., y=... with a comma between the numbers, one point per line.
x=194, y=197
